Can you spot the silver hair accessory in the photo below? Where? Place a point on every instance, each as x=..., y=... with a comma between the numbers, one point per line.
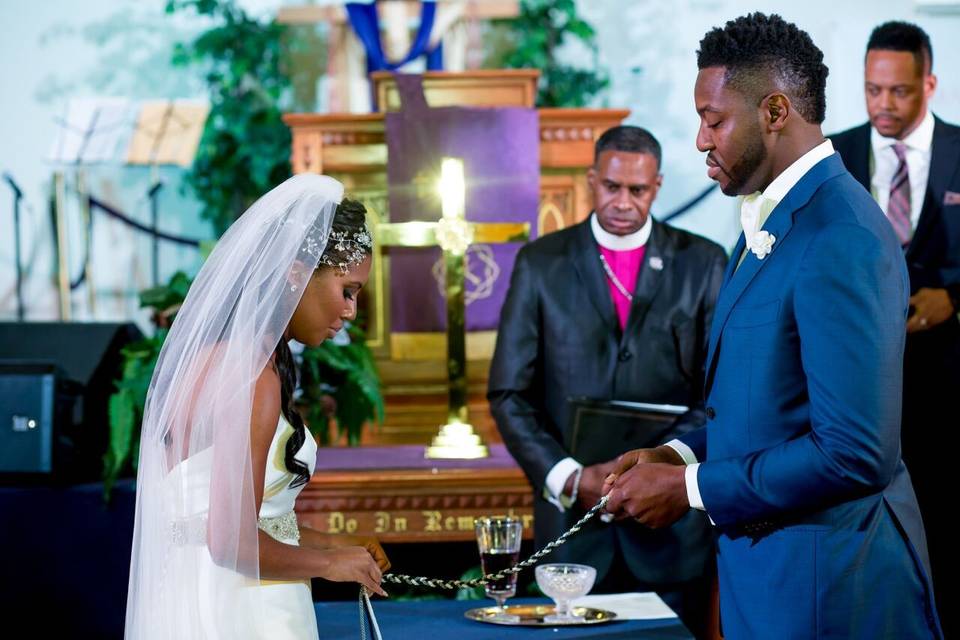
x=353, y=248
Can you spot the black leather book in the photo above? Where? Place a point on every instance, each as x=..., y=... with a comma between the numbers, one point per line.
x=601, y=430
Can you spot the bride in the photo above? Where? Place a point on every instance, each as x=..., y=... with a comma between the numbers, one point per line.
x=217, y=551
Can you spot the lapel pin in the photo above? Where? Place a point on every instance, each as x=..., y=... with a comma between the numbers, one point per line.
x=656, y=263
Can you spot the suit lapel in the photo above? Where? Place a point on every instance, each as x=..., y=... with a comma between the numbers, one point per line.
x=715, y=326
x=586, y=261
x=943, y=163
x=859, y=158
x=779, y=225
x=658, y=251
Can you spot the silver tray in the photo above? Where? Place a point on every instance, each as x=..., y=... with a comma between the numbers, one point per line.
x=534, y=615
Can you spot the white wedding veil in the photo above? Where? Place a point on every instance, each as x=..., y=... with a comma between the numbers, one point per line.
x=195, y=557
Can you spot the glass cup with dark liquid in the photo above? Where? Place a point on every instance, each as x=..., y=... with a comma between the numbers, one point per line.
x=498, y=539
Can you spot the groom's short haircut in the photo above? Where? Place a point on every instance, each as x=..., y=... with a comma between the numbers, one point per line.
x=762, y=53
x=628, y=139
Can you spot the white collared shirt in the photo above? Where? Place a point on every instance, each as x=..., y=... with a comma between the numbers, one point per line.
x=884, y=163
x=753, y=215
x=557, y=476
x=757, y=207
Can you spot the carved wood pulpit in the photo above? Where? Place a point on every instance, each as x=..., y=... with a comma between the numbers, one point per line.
x=391, y=491
x=352, y=148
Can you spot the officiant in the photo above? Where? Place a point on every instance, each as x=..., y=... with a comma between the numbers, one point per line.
x=617, y=307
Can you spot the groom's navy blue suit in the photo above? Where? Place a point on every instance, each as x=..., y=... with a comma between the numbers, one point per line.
x=820, y=534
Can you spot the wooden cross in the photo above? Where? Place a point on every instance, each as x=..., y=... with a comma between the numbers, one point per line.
x=454, y=235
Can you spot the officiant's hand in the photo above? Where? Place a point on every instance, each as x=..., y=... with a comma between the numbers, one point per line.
x=661, y=454
x=591, y=483
x=654, y=494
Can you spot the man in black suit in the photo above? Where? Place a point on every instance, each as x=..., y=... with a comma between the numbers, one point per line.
x=617, y=307
x=910, y=161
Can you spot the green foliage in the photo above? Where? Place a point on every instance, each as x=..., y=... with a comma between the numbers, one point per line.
x=253, y=69
x=126, y=407
x=347, y=373
x=471, y=593
x=166, y=296
x=139, y=361
x=532, y=40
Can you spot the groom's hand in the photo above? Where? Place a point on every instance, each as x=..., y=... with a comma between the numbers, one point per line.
x=654, y=494
x=591, y=483
x=661, y=454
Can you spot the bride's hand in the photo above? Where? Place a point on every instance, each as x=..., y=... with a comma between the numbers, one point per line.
x=369, y=543
x=353, y=564
x=312, y=538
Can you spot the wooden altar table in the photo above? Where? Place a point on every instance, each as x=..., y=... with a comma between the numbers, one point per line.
x=400, y=497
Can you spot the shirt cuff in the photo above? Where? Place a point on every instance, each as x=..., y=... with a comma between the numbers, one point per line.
x=556, y=479
x=685, y=452
x=693, y=489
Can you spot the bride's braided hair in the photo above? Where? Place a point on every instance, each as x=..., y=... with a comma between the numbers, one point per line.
x=349, y=219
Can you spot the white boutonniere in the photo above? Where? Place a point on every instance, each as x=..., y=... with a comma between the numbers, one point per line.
x=762, y=244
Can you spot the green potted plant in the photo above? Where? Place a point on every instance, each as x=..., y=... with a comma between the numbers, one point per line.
x=531, y=41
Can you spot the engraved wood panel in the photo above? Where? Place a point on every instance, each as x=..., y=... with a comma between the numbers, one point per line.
x=564, y=201
x=566, y=139
x=423, y=505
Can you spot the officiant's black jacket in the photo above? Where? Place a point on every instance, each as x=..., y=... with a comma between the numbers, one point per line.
x=559, y=337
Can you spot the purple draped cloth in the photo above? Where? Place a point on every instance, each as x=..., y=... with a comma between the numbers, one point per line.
x=403, y=457
x=501, y=155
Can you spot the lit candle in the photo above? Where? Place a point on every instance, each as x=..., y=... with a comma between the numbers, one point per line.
x=452, y=188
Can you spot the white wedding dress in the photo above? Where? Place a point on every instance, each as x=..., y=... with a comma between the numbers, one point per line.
x=194, y=567
x=283, y=609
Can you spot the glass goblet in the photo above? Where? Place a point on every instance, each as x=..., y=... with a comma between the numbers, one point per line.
x=498, y=540
x=564, y=582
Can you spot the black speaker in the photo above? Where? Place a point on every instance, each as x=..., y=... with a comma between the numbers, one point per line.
x=55, y=383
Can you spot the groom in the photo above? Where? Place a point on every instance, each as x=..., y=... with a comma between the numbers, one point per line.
x=799, y=466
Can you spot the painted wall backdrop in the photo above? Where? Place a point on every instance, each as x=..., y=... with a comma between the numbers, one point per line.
x=59, y=49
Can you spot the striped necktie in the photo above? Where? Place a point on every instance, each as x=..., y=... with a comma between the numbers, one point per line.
x=898, y=207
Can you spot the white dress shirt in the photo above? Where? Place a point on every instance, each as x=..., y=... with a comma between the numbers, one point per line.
x=557, y=476
x=754, y=211
x=884, y=163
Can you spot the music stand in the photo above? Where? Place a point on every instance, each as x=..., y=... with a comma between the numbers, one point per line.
x=166, y=132
x=18, y=263
x=90, y=131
